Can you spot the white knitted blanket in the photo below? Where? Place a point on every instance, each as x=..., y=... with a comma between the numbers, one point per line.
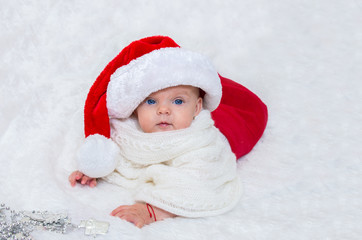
x=189, y=172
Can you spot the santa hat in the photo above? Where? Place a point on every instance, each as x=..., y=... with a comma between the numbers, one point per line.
x=143, y=67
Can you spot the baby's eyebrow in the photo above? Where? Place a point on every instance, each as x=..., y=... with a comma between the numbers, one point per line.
x=183, y=94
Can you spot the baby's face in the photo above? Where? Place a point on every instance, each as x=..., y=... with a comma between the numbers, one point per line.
x=169, y=109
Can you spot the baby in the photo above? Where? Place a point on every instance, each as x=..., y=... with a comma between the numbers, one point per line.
x=149, y=129
x=168, y=109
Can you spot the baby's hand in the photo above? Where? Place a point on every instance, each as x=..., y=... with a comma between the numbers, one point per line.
x=136, y=214
x=140, y=214
x=77, y=176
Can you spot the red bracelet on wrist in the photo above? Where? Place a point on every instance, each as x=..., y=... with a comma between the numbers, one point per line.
x=148, y=208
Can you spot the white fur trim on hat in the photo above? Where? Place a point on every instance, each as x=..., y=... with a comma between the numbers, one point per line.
x=167, y=67
x=98, y=156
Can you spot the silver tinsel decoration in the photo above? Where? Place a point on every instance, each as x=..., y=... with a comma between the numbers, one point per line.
x=18, y=225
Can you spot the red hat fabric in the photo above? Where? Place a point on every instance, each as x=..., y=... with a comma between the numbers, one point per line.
x=241, y=117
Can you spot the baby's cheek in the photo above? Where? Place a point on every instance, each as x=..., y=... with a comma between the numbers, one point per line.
x=185, y=123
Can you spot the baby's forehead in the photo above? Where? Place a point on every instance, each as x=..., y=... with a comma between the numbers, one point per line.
x=180, y=89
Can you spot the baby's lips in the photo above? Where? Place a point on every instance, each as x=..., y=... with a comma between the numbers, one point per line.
x=164, y=123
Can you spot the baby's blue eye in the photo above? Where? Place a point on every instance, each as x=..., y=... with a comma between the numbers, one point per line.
x=178, y=101
x=150, y=101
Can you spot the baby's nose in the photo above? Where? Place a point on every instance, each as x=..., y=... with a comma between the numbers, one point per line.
x=163, y=109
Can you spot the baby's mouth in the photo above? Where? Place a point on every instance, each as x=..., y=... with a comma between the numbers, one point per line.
x=163, y=124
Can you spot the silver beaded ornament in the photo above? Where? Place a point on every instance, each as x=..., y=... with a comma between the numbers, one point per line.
x=18, y=225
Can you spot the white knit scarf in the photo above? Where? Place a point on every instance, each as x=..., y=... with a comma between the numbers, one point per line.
x=189, y=172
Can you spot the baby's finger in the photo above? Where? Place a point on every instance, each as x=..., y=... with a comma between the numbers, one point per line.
x=78, y=175
x=139, y=224
x=93, y=182
x=72, y=179
x=119, y=209
x=115, y=211
x=84, y=179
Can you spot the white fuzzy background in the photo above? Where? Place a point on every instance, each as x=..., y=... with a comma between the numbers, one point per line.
x=303, y=58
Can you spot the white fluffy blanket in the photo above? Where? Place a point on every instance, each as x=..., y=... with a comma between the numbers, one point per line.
x=303, y=58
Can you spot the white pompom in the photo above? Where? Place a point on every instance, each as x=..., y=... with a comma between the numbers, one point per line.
x=98, y=156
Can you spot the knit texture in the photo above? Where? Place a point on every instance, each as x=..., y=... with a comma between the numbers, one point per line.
x=189, y=172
